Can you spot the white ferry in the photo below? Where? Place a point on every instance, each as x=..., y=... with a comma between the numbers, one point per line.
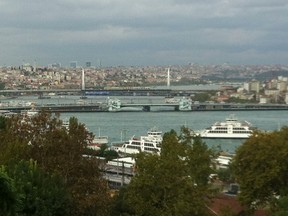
x=150, y=143
x=30, y=113
x=232, y=128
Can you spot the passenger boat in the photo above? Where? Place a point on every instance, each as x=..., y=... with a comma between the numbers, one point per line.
x=231, y=128
x=30, y=112
x=6, y=113
x=98, y=141
x=150, y=143
x=171, y=100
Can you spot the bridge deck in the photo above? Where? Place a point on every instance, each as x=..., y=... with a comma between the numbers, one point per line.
x=103, y=108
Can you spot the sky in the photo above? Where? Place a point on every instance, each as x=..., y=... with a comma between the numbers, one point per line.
x=143, y=32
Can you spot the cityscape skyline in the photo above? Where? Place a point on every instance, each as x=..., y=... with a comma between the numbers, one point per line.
x=129, y=33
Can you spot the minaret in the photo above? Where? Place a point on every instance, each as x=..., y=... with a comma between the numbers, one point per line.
x=83, y=80
x=168, y=77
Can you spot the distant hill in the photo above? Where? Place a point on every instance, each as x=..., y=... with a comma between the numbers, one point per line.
x=258, y=76
x=270, y=75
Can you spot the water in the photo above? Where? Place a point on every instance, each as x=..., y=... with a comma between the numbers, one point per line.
x=126, y=124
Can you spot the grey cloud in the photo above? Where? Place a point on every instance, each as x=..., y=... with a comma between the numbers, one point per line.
x=168, y=30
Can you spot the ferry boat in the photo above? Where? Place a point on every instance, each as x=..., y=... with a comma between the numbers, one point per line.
x=150, y=143
x=30, y=112
x=231, y=128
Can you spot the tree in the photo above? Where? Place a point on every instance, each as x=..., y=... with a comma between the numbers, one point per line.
x=282, y=207
x=105, y=152
x=261, y=168
x=173, y=183
x=39, y=193
x=8, y=195
x=60, y=150
x=202, y=97
x=2, y=122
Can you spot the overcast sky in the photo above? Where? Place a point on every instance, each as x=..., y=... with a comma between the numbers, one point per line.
x=144, y=32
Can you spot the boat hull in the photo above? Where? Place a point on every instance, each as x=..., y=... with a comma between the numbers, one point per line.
x=229, y=129
x=221, y=137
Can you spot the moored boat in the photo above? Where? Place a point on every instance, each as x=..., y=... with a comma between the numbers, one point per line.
x=98, y=141
x=231, y=128
x=150, y=143
x=30, y=112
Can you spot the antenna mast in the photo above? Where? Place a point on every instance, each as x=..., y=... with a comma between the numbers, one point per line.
x=83, y=80
x=168, y=77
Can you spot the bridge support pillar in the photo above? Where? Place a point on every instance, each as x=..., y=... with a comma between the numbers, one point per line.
x=146, y=108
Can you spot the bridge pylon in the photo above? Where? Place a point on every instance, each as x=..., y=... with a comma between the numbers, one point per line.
x=114, y=105
x=185, y=104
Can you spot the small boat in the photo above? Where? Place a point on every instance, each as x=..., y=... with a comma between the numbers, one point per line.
x=171, y=100
x=231, y=128
x=30, y=113
x=7, y=113
x=150, y=143
x=98, y=141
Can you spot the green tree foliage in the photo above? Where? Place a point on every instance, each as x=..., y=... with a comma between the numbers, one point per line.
x=261, y=168
x=282, y=207
x=8, y=195
x=39, y=193
x=202, y=97
x=120, y=206
x=105, y=152
x=2, y=122
x=58, y=150
x=173, y=183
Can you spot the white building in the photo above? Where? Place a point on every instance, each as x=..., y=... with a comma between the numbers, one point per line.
x=286, y=98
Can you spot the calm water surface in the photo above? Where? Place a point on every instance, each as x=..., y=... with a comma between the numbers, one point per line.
x=126, y=124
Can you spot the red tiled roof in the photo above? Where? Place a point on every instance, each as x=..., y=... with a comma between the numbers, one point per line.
x=224, y=202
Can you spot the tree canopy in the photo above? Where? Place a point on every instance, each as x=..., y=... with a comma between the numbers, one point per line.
x=38, y=192
x=172, y=183
x=8, y=195
x=58, y=151
x=261, y=168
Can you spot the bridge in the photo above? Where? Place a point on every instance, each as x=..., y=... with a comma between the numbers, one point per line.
x=185, y=104
x=108, y=92
x=115, y=105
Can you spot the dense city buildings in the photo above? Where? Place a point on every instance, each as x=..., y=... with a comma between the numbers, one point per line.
x=264, y=83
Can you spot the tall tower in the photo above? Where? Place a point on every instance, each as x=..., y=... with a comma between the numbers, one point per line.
x=168, y=77
x=34, y=66
x=83, y=80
